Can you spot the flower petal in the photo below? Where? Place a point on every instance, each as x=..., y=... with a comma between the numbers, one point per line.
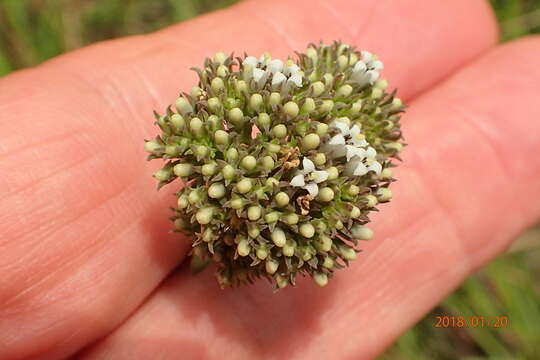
x=296, y=79
x=308, y=165
x=372, y=75
x=291, y=70
x=251, y=61
x=342, y=127
x=298, y=180
x=355, y=130
x=319, y=176
x=366, y=56
x=359, y=67
x=360, y=169
x=377, y=65
x=353, y=151
x=274, y=66
x=278, y=78
x=337, y=140
x=259, y=75
x=371, y=153
x=375, y=166
x=312, y=188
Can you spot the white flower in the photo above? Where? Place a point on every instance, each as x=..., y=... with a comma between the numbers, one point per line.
x=251, y=61
x=296, y=79
x=348, y=141
x=362, y=165
x=274, y=66
x=260, y=76
x=366, y=70
x=278, y=78
x=309, y=177
x=291, y=69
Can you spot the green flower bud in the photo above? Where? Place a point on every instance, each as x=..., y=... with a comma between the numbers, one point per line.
x=275, y=99
x=183, y=106
x=217, y=85
x=243, y=248
x=326, y=194
x=279, y=131
x=355, y=212
x=196, y=126
x=381, y=84
x=248, y=162
x=324, y=243
x=291, y=109
x=262, y=253
x=353, y=190
x=256, y=101
x=201, y=151
x=320, y=279
x=339, y=225
x=163, y=174
x=292, y=219
x=253, y=232
x=319, y=159
x=356, y=107
x=228, y=172
x=281, y=281
x=318, y=88
x=383, y=194
x=371, y=201
x=183, y=202
x=347, y=253
x=288, y=248
x=172, y=150
x=398, y=147
x=328, y=263
x=312, y=54
x=268, y=163
x=311, y=141
x=387, y=173
x=396, y=103
x=326, y=106
x=273, y=148
x=361, y=232
x=322, y=129
x=221, y=137
x=182, y=170
x=194, y=197
x=214, y=105
x=278, y=237
x=237, y=203
x=344, y=91
x=231, y=154
x=208, y=235
x=222, y=71
x=254, y=212
x=244, y=186
x=196, y=92
x=328, y=78
x=308, y=106
x=178, y=121
x=181, y=224
x=281, y=198
x=263, y=120
x=342, y=62
x=204, y=215
x=271, y=217
x=216, y=191
x=236, y=116
x=153, y=147
x=271, y=266
x=271, y=182
x=376, y=93
x=220, y=57
x=307, y=230
x=241, y=86
x=333, y=173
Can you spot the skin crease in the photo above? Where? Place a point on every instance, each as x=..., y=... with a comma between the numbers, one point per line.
x=84, y=235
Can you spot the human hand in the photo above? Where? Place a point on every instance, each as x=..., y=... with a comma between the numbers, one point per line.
x=85, y=244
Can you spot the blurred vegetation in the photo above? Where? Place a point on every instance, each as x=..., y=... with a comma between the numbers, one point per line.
x=32, y=31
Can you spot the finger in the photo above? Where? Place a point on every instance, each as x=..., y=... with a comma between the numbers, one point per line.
x=84, y=225
x=464, y=192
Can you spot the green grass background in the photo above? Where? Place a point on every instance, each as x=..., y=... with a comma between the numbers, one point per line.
x=32, y=31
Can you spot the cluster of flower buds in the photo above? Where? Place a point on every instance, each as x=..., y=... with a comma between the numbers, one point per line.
x=280, y=162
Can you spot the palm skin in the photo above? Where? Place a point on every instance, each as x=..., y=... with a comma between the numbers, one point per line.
x=86, y=257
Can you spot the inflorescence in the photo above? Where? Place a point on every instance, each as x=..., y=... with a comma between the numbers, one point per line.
x=281, y=162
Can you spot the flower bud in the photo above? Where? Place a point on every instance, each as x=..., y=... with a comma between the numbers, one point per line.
x=307, y=230
x=222, y=71
x=241, y=86
x=216, y=191
x=271, y=266
x=320, y=279
x=208, y=235
x=312, y=54
x=163, y=174
x=361, y=232
x=196, y=92
x=228, y=172
x=231, y=154
x=263, y=120
x=278, y=237
x=183, y=106
x=281, y=281
x=194, y=197
x=217, y=85
x=281, y=198
x=328, y=78
x=268, y=163
x=371, y=200
x=220, y=57
x=383, y=194
x=324, y=243
x=387, y=173
x=182, y=170
x=356, y=107
x=221, y=137
x=342, y=62
x=328, y=263
x=291, y=109
x=253, y=232
x=326, y=194
x=288, y=248
x=271, y=182
x=273, y=148
x=308, y=106
x=396, y=103
x=248, y=162
x=183, y=202
x=381, y=84
x=204, y=215
x=172, y=150
x=333, y=173
x=214, y=105
x=243, y=248
x=237, y=203
x=322, y=129
x=178, y=121
x=256, y=101
x=262, y=253
x=201, y=151
x=196, y=126
x=355, y=212
x=318, y=88
x=347, y=253
x=244, y=186
x=344, y=91
x=275, y=99
x=353, y=190
x=279, y=131
x=254, y=212
x=326, y=106
x=153, y=147
x=311, y=141
x=236, y=116
x=271, y=217
x=376, y=93
x=319, y=159
x=398, y=147
x=292, y=219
